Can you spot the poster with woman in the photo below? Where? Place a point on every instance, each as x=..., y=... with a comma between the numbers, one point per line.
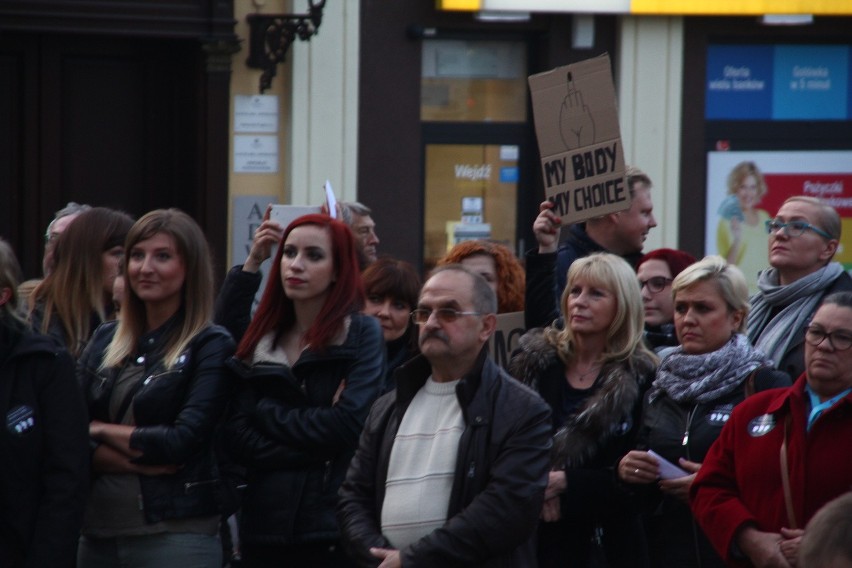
x=745, y=189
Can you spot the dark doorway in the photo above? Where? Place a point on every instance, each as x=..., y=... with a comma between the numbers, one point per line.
x=103, y=121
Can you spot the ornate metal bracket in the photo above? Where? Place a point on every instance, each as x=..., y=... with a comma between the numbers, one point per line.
x=270, y=36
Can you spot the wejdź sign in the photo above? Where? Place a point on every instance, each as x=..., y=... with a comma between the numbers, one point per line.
x=576, y=123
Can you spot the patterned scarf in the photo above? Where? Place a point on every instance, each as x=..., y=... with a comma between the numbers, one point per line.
x=799, y=298
x=688, y=378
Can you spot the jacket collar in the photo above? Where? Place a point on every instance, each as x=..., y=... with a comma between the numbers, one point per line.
x=792, y=395
x=412, y=375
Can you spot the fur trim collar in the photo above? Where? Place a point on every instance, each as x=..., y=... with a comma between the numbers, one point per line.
x=603, y=414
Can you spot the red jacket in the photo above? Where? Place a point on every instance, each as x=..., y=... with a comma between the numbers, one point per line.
x=740, y=479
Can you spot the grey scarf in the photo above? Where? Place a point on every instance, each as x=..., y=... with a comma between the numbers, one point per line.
x=800, y=298
x=701, y=378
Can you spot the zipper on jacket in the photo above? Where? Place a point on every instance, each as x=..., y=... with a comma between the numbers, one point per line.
x=685, y=441
x=326, y=475
x=188, y=486
x=158, y=375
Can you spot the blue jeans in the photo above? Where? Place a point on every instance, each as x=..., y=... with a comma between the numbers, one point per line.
x=165, y=550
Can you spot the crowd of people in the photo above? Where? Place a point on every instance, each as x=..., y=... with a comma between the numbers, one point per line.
x=654, y=414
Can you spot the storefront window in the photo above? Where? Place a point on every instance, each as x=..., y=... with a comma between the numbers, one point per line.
x=471, y=193
x=473, y=81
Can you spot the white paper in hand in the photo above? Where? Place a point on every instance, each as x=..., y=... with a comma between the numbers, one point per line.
x=668, y=470
x=330, y=200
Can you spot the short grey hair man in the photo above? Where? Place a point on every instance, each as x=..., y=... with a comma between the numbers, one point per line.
x=358, y=217
x=61, y=220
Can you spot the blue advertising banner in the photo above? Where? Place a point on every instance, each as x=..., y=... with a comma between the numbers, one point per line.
x=781, y=82
x=739, y=82
x=811, y=82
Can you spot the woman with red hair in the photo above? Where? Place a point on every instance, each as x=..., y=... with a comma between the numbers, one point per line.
x=656, y=271
x=500, y=268
x=311, y=366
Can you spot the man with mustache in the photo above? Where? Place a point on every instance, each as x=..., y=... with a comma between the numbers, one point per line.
x=452, y=464
x=803, y=238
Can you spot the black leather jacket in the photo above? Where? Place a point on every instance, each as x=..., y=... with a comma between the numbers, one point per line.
x=501, y=473
x=295, y=441
x=176, y=413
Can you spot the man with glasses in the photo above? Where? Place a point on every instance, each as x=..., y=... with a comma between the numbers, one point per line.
x=803, y=238
x=783, y=453
x=452, y=465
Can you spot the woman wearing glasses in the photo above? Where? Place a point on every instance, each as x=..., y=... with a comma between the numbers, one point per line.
x=803, y=238
x=310, y=366
x=593, y=374
x=656, y=270
x=739, y=236
x=696, y=386
x=784, y=453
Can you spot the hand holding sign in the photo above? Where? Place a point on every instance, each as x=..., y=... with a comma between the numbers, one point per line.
x=580, y=141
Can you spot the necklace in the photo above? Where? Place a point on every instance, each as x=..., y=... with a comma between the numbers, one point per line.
x=582, y=376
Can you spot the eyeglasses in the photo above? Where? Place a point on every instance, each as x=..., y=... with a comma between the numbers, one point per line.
x=794, y=228
x=840, y=339
x=445, y=315
x=655, y=284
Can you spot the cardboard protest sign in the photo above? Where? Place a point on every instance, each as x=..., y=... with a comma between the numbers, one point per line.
x=576, y=123
x=504, y=340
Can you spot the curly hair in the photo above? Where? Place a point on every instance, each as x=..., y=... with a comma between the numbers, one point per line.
x=511, y=281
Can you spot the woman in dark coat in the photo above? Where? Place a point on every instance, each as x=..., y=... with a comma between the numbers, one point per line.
x=392, y=288
x=310, y=366
x=696, y=388
x=44, y=444
x=593, y=373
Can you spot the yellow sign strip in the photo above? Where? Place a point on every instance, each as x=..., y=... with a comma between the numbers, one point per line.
x=741, y=7
x=459, y=5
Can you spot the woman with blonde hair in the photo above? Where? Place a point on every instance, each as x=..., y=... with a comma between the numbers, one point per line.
x=156, y=388
x=76, y=296
x=500, y=268
x=593, y=373
x=697, y=385
x=740, y=234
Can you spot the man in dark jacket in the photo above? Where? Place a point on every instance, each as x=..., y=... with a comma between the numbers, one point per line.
x=44, y=445
x=452, y=465
x=621, y=233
